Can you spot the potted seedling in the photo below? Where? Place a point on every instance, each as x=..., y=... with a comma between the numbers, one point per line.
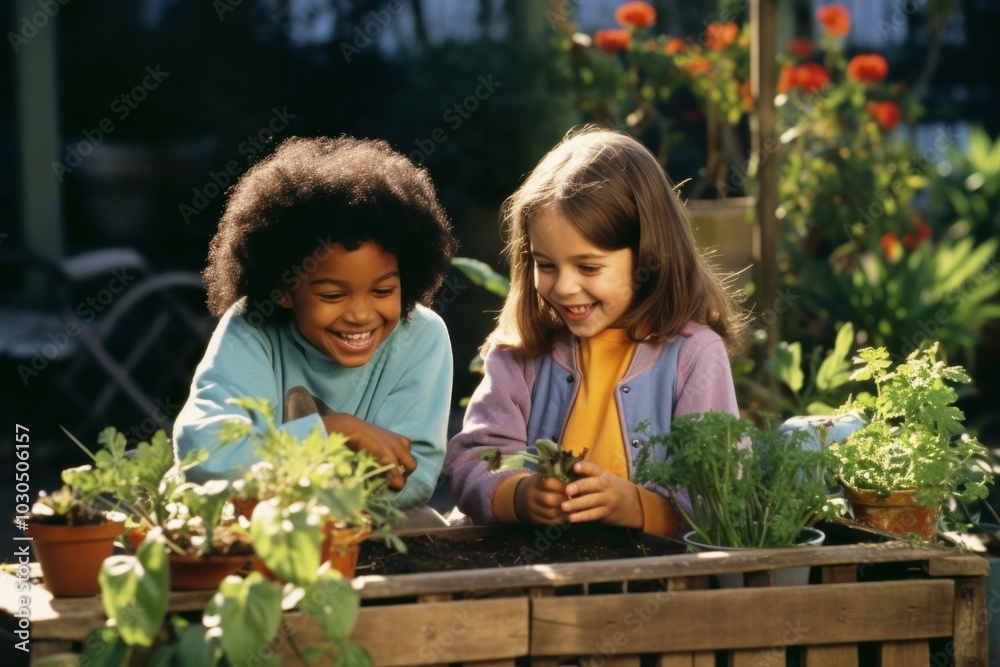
x=335, y=497
x=738, y=485
x=913, y=453
x=549, y=460
x=72, y=531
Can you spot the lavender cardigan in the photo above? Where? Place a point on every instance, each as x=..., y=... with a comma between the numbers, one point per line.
x=520, y=400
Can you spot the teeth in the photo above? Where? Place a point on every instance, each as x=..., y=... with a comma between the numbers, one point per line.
x=357, y=337
x=578, y=310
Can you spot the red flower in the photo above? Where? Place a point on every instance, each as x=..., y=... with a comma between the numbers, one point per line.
x=720, y=35
x=811, y=77
x=636, y=15
x=890, y=245
x=921, y=232
x=867, y=68
x=887, y=114
x=675, y=45
x=835, y=19
x=746, y=97
x=613, y=40
x=802, y=48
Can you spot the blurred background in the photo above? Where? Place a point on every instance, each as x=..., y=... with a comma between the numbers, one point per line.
x=123, y=122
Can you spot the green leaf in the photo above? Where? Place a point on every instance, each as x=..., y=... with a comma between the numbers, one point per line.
x=482, y=274
x=836, y=367
x=288, y=540
x=105, y=648
x=194, y=646
x=788, y=364
x=135, y=591
x=333, y=603
x=353, y=655
x=245, y=615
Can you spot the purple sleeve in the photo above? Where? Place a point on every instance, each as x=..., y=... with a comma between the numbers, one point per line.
x=704, y=375
x=497, y=417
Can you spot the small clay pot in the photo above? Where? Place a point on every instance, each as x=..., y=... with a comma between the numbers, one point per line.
x=341, y=548
x=198, y=573
x=71, y=556
x=897, y=513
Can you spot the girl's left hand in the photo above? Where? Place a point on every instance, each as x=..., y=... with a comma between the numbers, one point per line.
x=600, y=496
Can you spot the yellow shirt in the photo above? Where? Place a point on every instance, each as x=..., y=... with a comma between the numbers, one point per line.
x=594, y=423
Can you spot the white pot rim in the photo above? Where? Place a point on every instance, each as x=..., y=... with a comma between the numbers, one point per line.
x=816, y=538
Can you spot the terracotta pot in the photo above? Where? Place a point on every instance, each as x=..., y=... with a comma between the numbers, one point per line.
x=134, y=536
x=244, y=506
x=340, y=548
x=71, y=556
x=197, y=573
x=897, y=514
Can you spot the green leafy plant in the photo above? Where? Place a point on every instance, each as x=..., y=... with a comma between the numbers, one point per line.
x=914, y=438
x=550, y=460
x=737, y=484
x=307, y=482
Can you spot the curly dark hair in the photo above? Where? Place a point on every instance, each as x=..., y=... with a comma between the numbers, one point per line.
x=312, y=192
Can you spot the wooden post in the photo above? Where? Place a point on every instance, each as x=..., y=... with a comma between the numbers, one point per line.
x=764, y=141
x=38, y=128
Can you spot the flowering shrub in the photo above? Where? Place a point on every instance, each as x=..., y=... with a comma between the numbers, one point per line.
x=628, y=77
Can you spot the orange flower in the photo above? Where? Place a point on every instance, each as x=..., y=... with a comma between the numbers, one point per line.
x=697, y=65
x=835, y=19
x=675, y=45
x=887, y=114
x=811, y=77
x=613, y=40
x=802, y=48
x=720, y=35
x=890, y=245
x=746, y=97
x=636, y=15
x=867, y=68
x=786, y=78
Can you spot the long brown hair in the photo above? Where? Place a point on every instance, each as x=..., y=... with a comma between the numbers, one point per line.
x=612, y=189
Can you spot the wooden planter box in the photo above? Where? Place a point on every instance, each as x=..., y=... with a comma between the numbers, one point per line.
x=885, y=603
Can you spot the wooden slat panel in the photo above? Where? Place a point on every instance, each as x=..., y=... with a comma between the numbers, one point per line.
x=905, y=654
x=840, y=655
x=958, y=566
x=757, y=658
x=703, y=620
x=698, y=659
x=434, y=633
x=970, y=638
x=510, y=662
x=696, y=564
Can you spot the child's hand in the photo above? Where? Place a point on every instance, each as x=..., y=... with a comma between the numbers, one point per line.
x=387, y=447
x=600, y=496
x=538, y=499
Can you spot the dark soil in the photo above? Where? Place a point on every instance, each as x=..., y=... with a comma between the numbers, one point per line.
x=504, y=546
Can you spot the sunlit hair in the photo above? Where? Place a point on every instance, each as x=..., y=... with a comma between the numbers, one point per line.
x=312, y=192
x=614, y=192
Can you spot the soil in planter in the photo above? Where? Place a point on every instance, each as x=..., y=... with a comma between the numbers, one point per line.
x=511, y=546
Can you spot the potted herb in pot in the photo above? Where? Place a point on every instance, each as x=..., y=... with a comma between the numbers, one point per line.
x=738, y=485
x=913, y=453
x=335, y=497
x=72, y=532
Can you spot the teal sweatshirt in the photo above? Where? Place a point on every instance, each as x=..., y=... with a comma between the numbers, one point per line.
x=405, y=388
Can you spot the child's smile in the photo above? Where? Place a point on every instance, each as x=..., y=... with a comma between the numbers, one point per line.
x=590, y=287
x=349, y=303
